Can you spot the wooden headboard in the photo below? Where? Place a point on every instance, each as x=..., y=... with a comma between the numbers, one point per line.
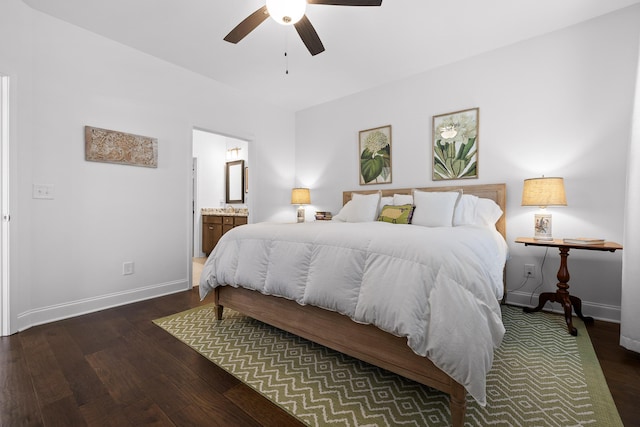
x=495, y=192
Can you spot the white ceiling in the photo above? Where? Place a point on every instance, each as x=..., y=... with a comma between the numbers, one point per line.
x=365, y=46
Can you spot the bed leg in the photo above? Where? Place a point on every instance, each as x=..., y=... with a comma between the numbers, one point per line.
x=216, y=301
x=458, y=404
x=219, y=310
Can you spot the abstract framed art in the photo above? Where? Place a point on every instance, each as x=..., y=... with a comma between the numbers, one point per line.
x=109, y=146
x=455, y=145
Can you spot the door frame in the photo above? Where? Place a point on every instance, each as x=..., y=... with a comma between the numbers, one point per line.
x=4, y=207
x=196, y=169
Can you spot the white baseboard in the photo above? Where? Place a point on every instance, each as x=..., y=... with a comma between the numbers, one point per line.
x=52, y=313
x=608, y=313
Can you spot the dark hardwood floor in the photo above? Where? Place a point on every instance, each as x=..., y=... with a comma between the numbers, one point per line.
x=116, y=368
x=621, y=368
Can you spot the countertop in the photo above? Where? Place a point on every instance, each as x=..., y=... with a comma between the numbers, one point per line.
x=225, y=211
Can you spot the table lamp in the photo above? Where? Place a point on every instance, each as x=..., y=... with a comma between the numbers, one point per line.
x=300, y=196
x=543, y=192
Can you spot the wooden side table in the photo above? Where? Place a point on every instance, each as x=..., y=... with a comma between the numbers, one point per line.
x=561, y=295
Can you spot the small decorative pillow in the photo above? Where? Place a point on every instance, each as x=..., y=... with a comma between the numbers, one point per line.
x=434, y=209
x=396, y=214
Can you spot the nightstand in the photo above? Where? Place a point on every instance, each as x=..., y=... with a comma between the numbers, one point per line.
x=561, y=295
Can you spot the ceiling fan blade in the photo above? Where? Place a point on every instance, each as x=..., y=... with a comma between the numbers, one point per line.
x=309, y=36
x=249, y=24
x=347, y=2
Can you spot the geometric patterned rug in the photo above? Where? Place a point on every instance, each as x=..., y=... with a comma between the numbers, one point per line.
x=541, y=375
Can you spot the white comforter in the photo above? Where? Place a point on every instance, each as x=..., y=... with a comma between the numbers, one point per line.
x=439, y=287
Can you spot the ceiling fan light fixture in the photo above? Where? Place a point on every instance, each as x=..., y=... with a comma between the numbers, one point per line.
x=286, y=12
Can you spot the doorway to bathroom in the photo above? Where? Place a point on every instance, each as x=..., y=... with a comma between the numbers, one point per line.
x=211, y=153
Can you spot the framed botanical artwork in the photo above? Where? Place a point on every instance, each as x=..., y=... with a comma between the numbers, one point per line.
x=375, y=155
x=455, y=145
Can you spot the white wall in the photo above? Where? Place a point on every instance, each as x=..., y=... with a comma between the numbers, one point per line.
x=558, y=105
x=67, y=253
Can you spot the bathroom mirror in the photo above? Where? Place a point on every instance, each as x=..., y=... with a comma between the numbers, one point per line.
x=235, y=181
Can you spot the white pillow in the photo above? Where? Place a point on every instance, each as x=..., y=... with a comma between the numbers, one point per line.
x=465, y=213
x=434, y=208
x=402, y=199
x=361, y=208
x=344, y=213
x=384, y=201
x=364, y=207
x=487, y=212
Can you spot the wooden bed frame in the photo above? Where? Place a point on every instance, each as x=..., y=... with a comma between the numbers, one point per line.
x=365, y=342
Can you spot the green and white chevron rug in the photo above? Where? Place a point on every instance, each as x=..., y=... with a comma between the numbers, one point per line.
x=541, y=375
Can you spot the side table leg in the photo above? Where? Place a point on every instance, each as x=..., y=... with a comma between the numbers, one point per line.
x=543, y=298
x=577, y=306
x=564, y=299
x=568, y=318
x=561, y=295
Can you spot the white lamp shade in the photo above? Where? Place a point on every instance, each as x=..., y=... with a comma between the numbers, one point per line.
x=286, y=12
x=544, y=192
x=300, y=196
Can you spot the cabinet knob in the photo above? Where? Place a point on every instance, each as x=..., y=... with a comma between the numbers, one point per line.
x=210, y=228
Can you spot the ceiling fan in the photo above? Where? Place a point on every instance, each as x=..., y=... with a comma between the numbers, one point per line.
x=291, y=12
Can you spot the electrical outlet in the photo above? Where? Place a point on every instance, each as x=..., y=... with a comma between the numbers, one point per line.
x=127, y=268
x=43, y=191
x=529, y=270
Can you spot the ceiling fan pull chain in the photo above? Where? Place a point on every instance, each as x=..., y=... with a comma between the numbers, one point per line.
x=286, y=56
x=286, y=63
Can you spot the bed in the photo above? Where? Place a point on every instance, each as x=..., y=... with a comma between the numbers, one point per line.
x=442, y=330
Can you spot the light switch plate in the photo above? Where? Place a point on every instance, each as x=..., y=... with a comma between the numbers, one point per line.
x=127, y=268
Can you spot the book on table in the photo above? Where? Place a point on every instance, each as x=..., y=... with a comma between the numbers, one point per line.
x=583, y=241
x=323, y=216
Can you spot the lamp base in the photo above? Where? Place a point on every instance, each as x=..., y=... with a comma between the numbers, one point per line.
x=301, y=213
x=542, y=226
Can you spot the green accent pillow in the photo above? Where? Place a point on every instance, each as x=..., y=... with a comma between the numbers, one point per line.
x=396, y=214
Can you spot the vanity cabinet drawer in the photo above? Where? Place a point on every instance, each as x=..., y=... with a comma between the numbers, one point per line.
x=212, y=219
